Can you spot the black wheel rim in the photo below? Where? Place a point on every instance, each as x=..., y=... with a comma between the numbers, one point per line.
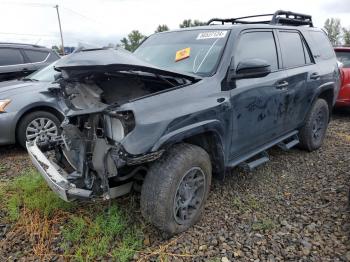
x=318, y=125
x=189, y=195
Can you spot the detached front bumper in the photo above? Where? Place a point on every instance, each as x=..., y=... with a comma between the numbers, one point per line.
x=55, y=176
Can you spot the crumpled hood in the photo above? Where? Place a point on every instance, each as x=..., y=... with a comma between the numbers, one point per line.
x=104, y=60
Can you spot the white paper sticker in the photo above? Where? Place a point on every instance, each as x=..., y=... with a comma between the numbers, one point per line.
x=211, y=34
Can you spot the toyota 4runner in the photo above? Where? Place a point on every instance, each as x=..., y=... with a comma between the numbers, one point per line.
x=185, y=106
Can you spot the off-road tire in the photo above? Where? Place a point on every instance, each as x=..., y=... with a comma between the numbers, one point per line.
x=306, y=135
x=24, y=122
x=162, y=181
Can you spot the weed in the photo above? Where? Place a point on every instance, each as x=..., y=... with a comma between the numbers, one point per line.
x=30, y=190
x=3, y=168
x=92, y=237
x=265, y=224
x=88, y=234
x=249, y=204
x=132, y=241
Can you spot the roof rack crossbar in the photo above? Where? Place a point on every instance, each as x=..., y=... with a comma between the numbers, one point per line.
x=279, y=17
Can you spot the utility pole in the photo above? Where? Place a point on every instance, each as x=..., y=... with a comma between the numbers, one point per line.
x=59, y=23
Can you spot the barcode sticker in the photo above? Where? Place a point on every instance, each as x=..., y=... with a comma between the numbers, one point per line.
x=211, y=34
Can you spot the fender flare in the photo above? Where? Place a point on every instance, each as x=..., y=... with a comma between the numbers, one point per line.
x=209, y=126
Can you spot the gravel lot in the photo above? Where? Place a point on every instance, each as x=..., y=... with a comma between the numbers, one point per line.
x=293, y=208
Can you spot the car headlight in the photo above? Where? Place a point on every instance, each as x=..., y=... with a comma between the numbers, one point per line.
x=3, y=104
x=114, y=128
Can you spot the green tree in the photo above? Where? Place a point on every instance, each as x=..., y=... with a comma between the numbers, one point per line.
x=162, y=28
x=190, y=23
x=333, y=27
x=132, y=41
x=346, y=36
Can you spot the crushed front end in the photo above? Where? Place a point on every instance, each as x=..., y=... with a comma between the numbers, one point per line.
x=88, y=160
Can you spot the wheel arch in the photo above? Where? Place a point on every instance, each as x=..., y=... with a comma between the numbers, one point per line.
x=207, y=135
x=36, y=108
x=328, y=96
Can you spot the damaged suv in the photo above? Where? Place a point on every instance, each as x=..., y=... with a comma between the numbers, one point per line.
x=186, y=106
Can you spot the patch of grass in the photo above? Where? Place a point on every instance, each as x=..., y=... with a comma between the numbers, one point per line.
x=3, y=168
x=89, y=233
x=90, y=239
x=30, y=190
x=248, y=204
x=132, y=241
x=265, y=224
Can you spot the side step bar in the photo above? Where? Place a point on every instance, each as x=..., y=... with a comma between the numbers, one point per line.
x=286, y=145
x=243, y=160
x=249, y=166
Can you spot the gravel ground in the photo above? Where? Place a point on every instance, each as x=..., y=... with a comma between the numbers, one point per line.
x=292, y=208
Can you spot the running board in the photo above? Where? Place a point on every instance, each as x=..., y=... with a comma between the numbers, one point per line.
x=249, y=166
x=245, y=157
x=285, y=146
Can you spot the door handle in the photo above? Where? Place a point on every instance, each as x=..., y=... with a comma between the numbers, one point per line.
x=282, y=85
x=315, y=76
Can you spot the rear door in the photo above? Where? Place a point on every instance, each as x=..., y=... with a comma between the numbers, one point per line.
x=302, y=77
x=12, y=63
x=37, y=58
x=257, y=103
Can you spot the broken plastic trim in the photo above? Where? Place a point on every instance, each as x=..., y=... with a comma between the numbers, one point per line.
x=55, y=176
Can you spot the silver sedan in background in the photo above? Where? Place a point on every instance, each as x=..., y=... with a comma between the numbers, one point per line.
x=27, y=111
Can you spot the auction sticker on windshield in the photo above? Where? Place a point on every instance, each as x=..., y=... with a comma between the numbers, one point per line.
x=182, y=54
x=211, y=34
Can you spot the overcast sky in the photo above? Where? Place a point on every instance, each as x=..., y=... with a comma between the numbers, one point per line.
x=107, y=21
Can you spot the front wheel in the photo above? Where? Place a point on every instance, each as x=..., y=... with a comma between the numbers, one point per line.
x=314, y=130
x=176, y=188
x=40, y=125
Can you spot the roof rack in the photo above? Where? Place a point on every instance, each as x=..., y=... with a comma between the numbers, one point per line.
x=280, y=17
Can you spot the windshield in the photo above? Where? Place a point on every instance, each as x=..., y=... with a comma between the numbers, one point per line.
x=344, y=58
x=47, y=74
x=196, y=51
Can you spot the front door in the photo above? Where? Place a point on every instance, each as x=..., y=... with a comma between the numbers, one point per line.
x=257, y=103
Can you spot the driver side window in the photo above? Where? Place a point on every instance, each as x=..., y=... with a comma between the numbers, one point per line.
x=257, y=45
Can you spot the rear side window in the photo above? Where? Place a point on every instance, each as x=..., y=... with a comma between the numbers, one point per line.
x=258, y=45
x=324, y=46
x=344, y=58
x=292, y=49
x=36, y=56
x=10, y=56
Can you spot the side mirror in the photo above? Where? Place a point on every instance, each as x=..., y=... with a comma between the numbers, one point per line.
x=252, y=68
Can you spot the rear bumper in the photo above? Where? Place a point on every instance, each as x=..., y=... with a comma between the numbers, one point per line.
x=55, y=176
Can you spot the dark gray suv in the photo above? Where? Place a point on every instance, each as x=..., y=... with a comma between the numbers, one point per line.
x=19, y=60
x=186, y=106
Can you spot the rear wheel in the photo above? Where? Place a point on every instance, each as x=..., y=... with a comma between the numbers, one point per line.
x=40, y=125
x=176, y=188
x=314, y=130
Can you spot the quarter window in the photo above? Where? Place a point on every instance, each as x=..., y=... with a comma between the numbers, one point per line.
x=292, y=49
x=9, y=56
x=36, y=56
x=258, y=45
x=324, y=46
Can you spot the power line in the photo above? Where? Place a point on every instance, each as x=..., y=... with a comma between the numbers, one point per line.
x=81, y=15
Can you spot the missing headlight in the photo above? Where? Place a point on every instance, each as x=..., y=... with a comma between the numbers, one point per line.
x=118, y=124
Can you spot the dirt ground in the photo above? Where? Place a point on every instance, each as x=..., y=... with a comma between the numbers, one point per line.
x=293, y=208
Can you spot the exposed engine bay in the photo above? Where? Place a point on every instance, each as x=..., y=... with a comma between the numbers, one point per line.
x=88, y=153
